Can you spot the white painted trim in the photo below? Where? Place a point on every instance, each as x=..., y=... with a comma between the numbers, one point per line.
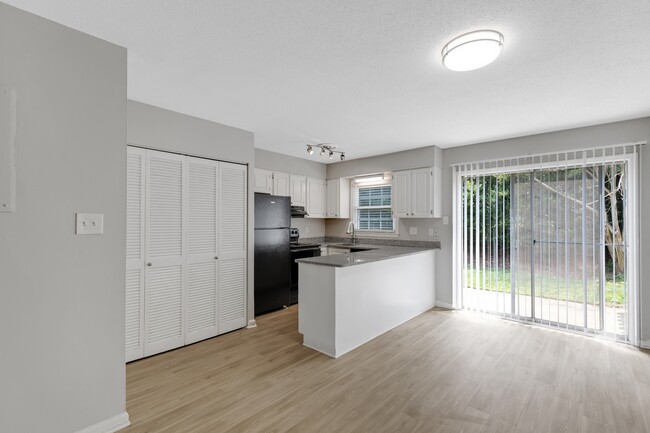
x=444, y=305
x=251, y=324
x=645, y=344
x=110, y=425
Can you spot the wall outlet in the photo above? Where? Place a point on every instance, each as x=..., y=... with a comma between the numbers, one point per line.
x=89, y=224
x=430, y=231
x=445, y=220
x=413, y=230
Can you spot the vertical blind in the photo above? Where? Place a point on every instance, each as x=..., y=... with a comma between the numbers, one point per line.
x=550, y=239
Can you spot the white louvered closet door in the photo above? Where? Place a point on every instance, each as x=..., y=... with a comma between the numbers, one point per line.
x=135, y=217
x=232, y=246
x=202, y=251
x=164, y=271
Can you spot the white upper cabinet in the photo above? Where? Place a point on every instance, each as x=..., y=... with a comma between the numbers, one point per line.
x=338, y=198
x=298, y=190
x=416, y=193
x=401, y=194
x=421, y=193
x=281, y=184
x=315, y=198
x=263, y=181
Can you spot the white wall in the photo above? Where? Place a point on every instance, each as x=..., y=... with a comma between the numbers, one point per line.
x=156, y=128
x=600, y=135
x=309, y=227
x=62, y=295
x=416, y=158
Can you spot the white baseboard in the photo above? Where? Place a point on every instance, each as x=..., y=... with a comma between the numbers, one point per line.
x=644, y=344
x=444, y=305
x=111, y=425
x=251, y=324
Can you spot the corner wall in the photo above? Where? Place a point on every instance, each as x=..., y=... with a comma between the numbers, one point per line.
x=62, y=295
x=160, y=129
x=593, y=136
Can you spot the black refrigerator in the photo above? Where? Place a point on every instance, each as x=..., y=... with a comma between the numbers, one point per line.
x=272, y=252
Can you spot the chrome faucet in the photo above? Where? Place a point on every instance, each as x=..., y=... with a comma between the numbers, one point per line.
x=350, y=231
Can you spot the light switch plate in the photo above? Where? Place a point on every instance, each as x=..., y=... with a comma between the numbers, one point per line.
x=413, y=230
x=90, y=224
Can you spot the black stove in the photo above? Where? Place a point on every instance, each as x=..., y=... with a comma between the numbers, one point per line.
x=299, y=250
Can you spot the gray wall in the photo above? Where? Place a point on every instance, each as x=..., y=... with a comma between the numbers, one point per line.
x=416, y=158
x=600, y=135
x=156, y=128
x=309, y=227
x=62, y=295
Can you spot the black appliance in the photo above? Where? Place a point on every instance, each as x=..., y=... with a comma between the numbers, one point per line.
x=272, y=252
x=298, y=212
x=299, y=251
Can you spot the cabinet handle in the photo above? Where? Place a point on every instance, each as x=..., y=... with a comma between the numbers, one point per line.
x=149, y=264
x=216, y=258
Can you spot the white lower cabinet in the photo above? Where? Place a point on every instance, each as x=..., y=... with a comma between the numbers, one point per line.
x=186, y=250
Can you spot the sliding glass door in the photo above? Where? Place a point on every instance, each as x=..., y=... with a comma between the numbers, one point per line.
x=548, y=244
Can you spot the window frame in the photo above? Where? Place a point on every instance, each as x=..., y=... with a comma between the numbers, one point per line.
x=354, y=207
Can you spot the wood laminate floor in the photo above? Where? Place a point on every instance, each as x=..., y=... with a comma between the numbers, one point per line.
x=444, y=371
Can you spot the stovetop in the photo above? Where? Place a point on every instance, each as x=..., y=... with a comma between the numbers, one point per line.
x=297, y=244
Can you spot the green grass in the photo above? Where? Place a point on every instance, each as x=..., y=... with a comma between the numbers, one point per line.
x=498, y=280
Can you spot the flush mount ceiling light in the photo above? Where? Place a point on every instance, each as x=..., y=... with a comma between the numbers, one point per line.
x=472, y=50
x=326, y=149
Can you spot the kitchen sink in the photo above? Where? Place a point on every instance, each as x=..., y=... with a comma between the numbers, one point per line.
x=354, y=248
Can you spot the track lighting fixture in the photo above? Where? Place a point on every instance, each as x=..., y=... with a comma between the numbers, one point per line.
x=326, y=149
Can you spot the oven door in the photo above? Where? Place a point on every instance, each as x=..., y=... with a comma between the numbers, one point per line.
x=299, y=253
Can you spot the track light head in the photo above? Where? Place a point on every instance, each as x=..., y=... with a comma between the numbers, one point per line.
x=343, y=157
x=310, y=150
x=322, y=151
x=331, y=154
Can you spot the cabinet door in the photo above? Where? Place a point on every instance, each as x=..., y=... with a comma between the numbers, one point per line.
x=333, y=201
x=135, y=217
x=164, y=273
x=281, y=184
x=401, y=194
x=316, y=198
x=298, y=190
x=232, y=246
x=202, y=240
x=263, y=181
x=421, y=193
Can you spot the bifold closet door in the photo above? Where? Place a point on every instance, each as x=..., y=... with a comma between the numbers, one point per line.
x=202, y=250
x=164, y=270
x=232, y=246
x=135, y=211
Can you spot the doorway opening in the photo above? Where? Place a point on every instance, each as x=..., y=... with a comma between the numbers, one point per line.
x=551, y=239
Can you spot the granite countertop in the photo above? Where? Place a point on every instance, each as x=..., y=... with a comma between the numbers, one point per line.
x=374, y=253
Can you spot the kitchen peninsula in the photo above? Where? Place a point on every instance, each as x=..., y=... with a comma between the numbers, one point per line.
x=346, y=300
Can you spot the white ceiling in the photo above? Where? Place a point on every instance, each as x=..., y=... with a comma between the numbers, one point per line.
x=366, y=74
